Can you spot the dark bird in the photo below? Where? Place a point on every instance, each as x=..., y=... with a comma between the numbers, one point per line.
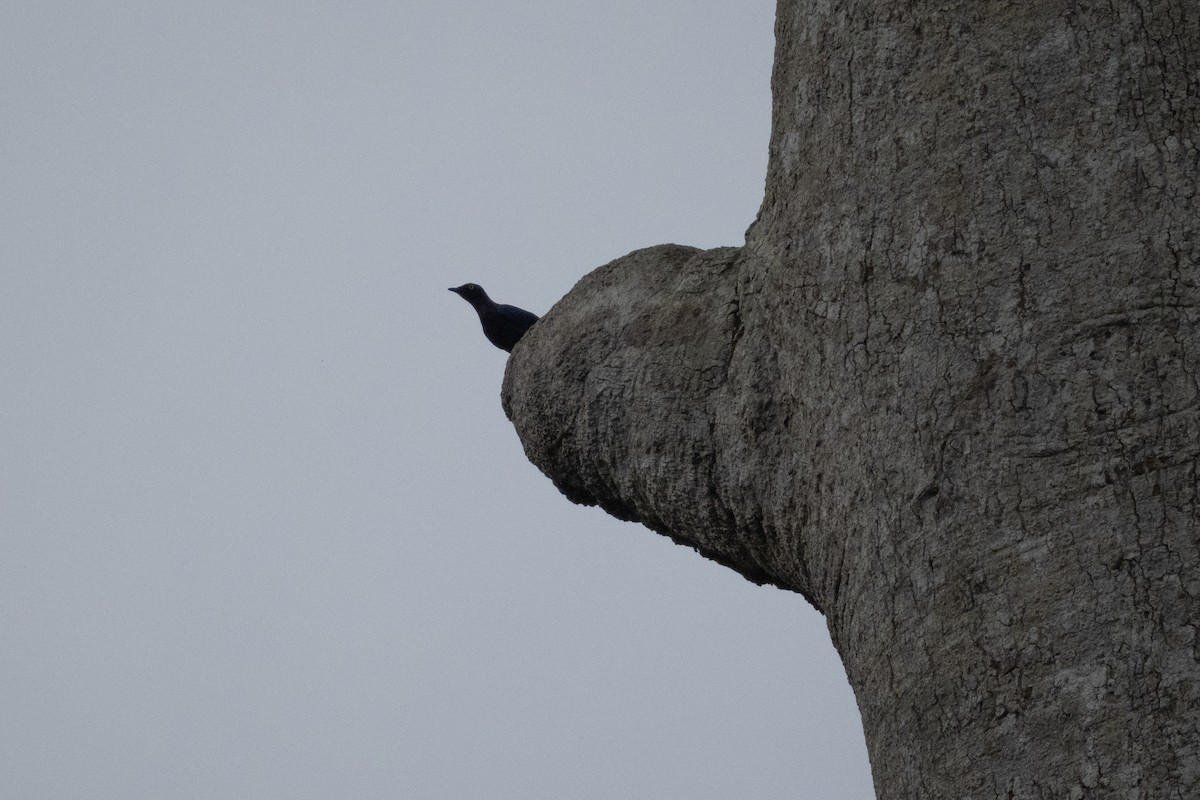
x=502, y=325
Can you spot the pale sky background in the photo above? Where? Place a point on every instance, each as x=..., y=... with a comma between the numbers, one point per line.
x=265, y=531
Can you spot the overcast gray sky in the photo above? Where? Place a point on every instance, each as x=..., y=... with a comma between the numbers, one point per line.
x=264, y=529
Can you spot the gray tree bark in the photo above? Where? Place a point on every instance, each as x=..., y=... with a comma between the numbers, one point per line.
x=948, y=390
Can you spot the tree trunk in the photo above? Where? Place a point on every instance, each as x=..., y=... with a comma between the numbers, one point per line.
x=948, y=390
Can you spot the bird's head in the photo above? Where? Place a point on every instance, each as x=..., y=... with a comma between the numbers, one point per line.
x=473, y=293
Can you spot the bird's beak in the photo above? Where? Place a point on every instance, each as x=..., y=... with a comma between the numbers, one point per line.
x=456, y=291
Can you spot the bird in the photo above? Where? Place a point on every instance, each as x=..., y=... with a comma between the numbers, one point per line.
x=502, y=325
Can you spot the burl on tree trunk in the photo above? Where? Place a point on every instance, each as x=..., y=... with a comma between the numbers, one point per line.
x=948, y=390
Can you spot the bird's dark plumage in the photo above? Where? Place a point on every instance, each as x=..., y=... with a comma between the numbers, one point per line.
x=502, y=325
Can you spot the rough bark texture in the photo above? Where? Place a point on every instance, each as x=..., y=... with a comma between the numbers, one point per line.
x=948, y=390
